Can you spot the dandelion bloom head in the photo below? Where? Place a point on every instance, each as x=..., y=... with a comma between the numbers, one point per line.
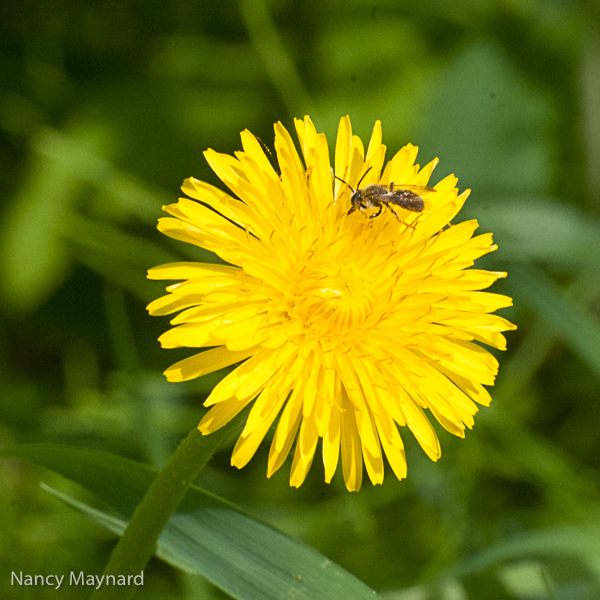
x=345, y=326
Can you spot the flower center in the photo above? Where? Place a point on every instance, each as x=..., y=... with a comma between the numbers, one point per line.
x=331, y=298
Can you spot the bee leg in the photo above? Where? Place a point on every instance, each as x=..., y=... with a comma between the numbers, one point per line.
x=391, y=187
x=377, y=213
x=394, y=213
x=352, y=209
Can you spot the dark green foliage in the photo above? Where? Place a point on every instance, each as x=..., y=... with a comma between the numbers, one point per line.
x=105, y=107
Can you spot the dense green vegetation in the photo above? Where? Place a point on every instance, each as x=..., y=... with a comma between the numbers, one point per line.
x=105, y=107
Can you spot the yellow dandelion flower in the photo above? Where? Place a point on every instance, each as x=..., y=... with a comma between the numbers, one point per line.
x=347, y=326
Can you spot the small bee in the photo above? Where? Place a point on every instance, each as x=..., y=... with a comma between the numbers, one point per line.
x=375, y=195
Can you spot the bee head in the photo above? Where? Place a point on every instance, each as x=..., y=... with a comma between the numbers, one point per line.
x=357, y=198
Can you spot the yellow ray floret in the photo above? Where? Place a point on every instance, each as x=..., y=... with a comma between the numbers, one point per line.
x=344, y=325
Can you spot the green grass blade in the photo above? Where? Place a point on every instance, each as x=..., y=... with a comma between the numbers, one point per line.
x=540, y=228
x=573, y=324
x=206, y=535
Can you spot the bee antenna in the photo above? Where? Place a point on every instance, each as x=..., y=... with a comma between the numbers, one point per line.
x=364, y=175
x=339, y=179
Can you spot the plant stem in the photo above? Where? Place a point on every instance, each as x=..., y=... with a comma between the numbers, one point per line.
x=138, y=543
x=277, y=60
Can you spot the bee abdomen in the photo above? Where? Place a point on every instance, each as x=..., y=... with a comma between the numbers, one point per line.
x=408, y=200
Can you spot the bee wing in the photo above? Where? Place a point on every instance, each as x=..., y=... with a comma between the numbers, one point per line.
x=412, y=188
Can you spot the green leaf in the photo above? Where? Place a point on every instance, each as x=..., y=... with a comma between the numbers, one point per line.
x=566, y=559
x=581, y=540
x=539, y=228
x=31, y=230
x=206, y=535
x=486, y=585
x=573, y=324
x=470, y=122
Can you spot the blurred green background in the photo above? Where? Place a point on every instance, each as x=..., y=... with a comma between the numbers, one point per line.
x=105, y=107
